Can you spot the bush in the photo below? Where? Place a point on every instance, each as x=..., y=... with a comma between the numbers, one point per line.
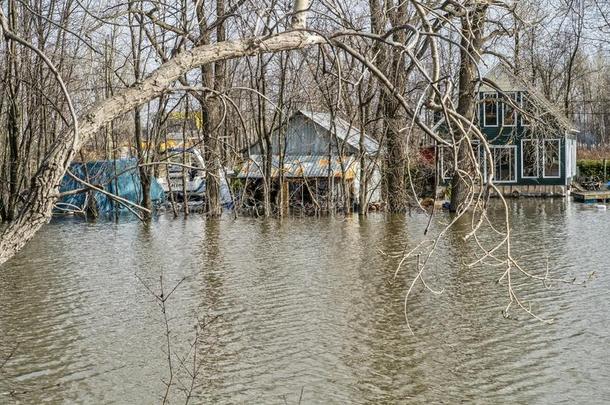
x=593, y=168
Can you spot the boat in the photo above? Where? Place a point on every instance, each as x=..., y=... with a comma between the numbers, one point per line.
x=184, y=174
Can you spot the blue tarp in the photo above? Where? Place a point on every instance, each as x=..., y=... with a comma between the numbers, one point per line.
x=119, y=177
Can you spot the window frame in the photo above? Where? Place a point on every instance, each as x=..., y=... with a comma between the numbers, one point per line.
x=523, y=176
x=492, y=148
x=544, y=141
x=493, y=93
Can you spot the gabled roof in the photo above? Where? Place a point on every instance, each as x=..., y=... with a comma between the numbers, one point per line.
x=342, y=130
x=506, y=80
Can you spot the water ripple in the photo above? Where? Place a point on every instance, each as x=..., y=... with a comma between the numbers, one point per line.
x=307, y=304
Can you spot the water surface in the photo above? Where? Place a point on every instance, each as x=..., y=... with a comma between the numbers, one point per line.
x=306, y=306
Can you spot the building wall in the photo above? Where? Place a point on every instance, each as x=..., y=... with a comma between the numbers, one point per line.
x=305, y=137
x=373, y=194
x=513, y=135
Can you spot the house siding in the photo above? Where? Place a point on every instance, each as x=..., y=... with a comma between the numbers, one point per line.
x=305, y=137
x=502, y=135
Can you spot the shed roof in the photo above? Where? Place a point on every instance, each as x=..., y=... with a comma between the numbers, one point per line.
x=343, y=130
x=300, y=166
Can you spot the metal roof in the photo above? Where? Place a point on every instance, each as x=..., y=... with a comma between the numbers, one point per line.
x=343, y=130
x=300, y=166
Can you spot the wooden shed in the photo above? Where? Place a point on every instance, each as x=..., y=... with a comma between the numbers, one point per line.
x=322, y=158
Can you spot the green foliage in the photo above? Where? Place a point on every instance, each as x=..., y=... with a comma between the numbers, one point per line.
x=593, y=168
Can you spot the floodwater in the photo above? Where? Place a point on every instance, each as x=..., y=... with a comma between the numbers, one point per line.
x=306, y=310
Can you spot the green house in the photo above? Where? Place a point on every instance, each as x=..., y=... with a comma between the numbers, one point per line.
x=533, y=145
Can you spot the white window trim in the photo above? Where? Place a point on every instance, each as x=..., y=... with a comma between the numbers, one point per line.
x=514, y=148
x=544, y=159
x=497, y=111
x=523, y=176
x=516, y=101
x=522, y=117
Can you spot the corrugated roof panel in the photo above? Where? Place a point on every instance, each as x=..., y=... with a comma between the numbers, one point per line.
x=300, y=166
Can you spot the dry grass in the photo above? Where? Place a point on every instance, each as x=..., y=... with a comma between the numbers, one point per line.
x=594, y=153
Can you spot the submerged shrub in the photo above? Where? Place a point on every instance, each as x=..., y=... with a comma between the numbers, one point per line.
x=594, y=168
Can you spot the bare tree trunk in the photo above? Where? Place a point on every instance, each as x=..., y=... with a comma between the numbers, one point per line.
x=13, y=132
x=570, y=71
x=13, y=123
x=211, y=76
x=390, y=107
x=142, y=148
x=267, y=138
x=396, y=148
x=473, y=24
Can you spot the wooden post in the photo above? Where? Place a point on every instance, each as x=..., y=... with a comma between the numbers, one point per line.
x=285, y=197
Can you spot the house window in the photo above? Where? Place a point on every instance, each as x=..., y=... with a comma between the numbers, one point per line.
x=529, y=158
x=490, y=109
x=509, y=113
x=551, y=158
x=504, y=158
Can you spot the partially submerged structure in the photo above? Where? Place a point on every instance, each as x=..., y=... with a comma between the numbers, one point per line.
x=533, y=144
x=118, y=177
x=318, y=160
x=183, y=176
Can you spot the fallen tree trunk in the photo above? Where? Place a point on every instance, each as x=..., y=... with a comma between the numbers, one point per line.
x=37, y=209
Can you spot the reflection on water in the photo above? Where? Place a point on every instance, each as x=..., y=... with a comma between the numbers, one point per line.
x=306, y=304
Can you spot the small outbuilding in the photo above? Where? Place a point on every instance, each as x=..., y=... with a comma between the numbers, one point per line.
x=320, y=160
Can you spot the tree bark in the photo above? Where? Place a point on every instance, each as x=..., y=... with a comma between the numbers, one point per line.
x=396, y=148
x=473, y=24
x=142, y=148
x=393, y=120
x=13, y=122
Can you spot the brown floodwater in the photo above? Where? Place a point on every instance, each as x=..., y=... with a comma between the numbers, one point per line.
x=306, y=309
